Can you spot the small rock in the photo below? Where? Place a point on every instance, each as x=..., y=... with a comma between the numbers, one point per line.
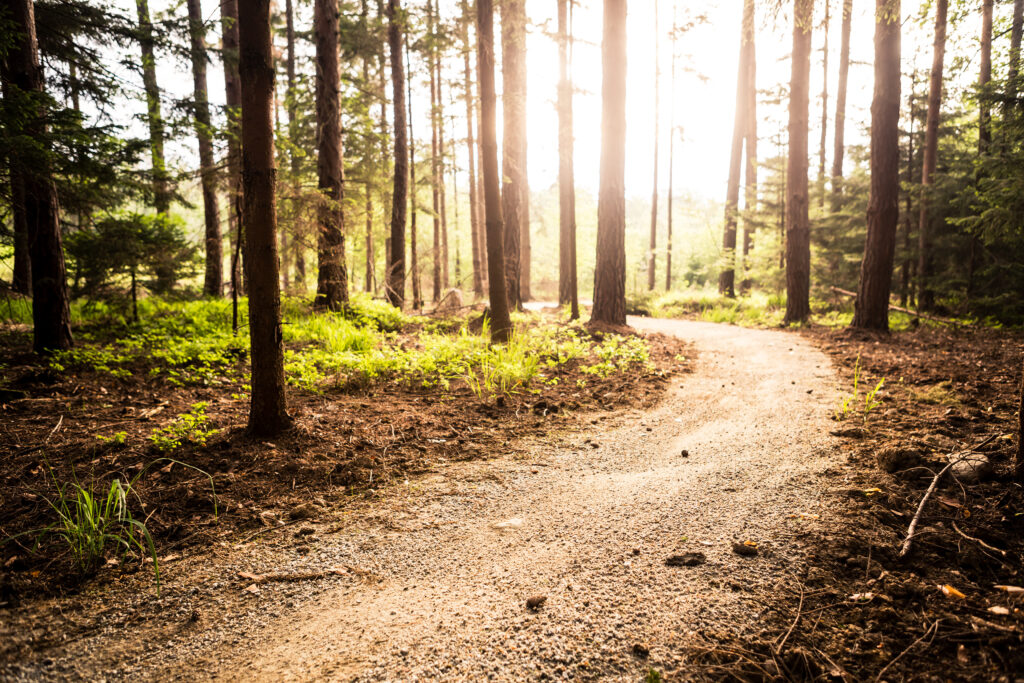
x=304, y=511
x=536, y=602
x=194, y=616
x=685, y=453
x=636, y=551
x=686, y=560
x=896, y=458
x=744, y=549
x=641, y=650
x=970, y=469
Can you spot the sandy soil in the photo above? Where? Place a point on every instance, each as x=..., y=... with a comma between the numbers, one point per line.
x=436, y=589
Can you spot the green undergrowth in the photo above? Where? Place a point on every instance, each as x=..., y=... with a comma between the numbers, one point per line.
x=192, y=343
x=756, y=308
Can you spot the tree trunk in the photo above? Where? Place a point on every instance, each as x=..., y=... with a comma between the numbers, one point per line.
x=1019, y=464
x=445, y=281
x=435, y=172
x=840, y=144
x=871, y=310
x=332, y=278
x=567, y=286
x=233, y=101
x=727, y=278
x=908, y=198
x=396, y=259
x=671, y=159
x=926, y=297
x=21, y=277
x=653, y=250
x=22, y=77
x=474, y=215
x=984, y=77
x=824, y=109
x=268, y=413
x=513, y=98
x=610, y=270
x=1016, y=31
x=750, y=175
x=384, y=136
x=214, y=273
x=798, y=229
x=291, y=106
x=417, y=300
x=154, y=117
x=501, y=324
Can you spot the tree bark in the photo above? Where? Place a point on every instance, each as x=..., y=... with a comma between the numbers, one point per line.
x=214, y=273
x=839, y=150
x=21, y=277
x=474, y=215
x=233, y=101
x=154, y=117
x=653, y=249
x=268, y=414
x=984, y=78
x=501, y=324
x=23, y=85
x=798, y=229
x=332, y=278
x=1019, y=463
x=824, y=109
x=567, y=286
x=291, y=107
x=671, y=158
x=445, y=281
x=727, y=278
x=926, y=296
x=905, y=267
x=399, y=198
x=610, y=270
x=513, y=98
x=368, y=185
x=417, y=300
x=871, y=310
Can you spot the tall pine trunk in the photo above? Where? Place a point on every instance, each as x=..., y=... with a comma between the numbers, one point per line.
x=1016, y=31
x=23, y=84
x=213, y=279
x=233, y=101
x=474, y=211
x=268, y=414
x=368, y=184
x=332, y=279
x=839, y=150
x=798, y=228
x=750, y=150
x=501, y=324
x=417, y=299
x=871, y=310
x=727, y=277
x=399, y=198
x=513, y=98
x=653, y=248
x=21, y=276
x=926, y=296
x=610, y=270
x=294, y=164
x=568, y=290
x=824, y=108
x=441, y=164
x=154, y=116
x=435, y=171
x=671, y=158
x=984, y=78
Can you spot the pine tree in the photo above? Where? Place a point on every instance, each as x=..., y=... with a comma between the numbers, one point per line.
x=513, y=97
x=396, y=256
x=474, y=211
x=926, y=294
x=839, y=149
x=154, y=115
x=567, y=286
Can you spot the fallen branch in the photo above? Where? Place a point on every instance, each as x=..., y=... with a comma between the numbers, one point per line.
x=901, y=309
x=978, y=541
x=933, y=627
x=931, y=489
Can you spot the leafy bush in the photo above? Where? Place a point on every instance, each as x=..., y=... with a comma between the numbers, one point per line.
x=190, y=427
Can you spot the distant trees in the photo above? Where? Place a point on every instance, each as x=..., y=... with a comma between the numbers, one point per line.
x=154, y=115
x=651, y=259
x=872, y=306
x=798, y=229
x=25, y=107
x=501, y=324
x=610, y=271
x=839, y=150
x=268, y=414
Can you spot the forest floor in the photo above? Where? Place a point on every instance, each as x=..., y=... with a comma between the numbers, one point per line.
x=721, y=523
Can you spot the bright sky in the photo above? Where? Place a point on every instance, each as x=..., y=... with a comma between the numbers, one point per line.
x=704, y=93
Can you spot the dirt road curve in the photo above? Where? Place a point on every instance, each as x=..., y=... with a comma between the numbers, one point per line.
x=596, y=524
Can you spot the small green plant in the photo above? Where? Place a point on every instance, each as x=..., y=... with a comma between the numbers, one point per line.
x=116, y=439
x=653, y=676
x=191, y=427
x=848, y=403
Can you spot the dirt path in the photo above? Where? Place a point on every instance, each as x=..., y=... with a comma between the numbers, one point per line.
x=600, y=512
